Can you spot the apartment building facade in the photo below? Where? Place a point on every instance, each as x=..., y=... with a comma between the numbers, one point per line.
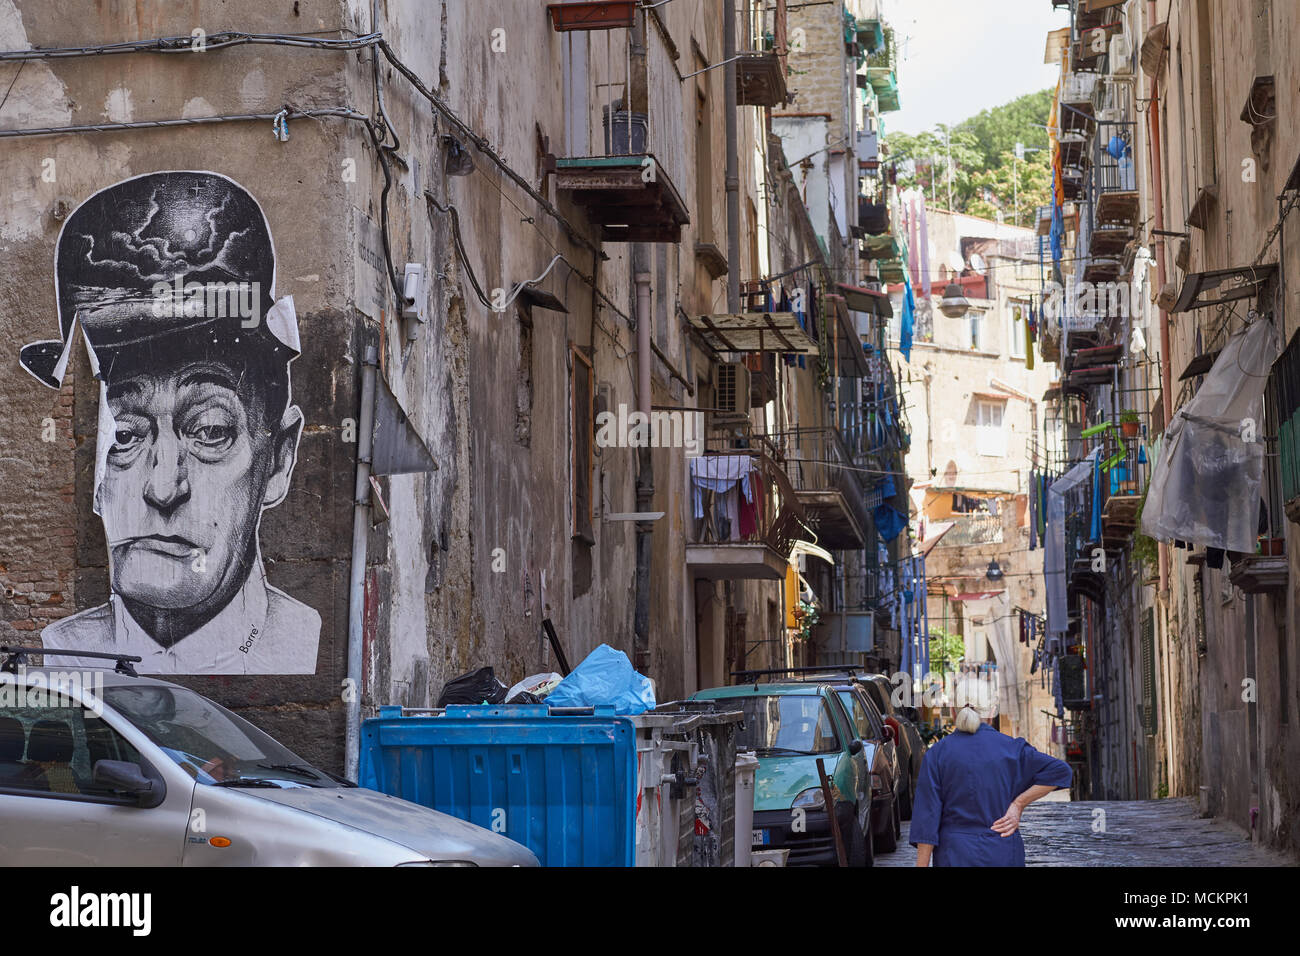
x=481, y=242
x=1175, y=621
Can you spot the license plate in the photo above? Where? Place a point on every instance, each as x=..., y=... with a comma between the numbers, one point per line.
x=761, y=838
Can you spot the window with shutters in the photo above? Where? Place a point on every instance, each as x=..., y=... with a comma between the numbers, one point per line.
x=990, y=437
x=582, y=435
x=1283, y=407
x=1017, y=317
x=1149, y=711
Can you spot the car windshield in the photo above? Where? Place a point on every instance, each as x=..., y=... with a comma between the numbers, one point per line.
x=777, y=724
x=211, y=744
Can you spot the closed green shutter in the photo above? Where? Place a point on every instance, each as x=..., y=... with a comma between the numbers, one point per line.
x=1149, y=713
x=1284, y=393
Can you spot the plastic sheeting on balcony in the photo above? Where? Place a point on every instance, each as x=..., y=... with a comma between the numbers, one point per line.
x=1205, y=487
x=1054, y=563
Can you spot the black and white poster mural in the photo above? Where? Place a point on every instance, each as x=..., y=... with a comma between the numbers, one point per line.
x=169, y=279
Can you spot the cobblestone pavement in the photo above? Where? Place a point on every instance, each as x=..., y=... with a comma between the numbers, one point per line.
x=1136, y=833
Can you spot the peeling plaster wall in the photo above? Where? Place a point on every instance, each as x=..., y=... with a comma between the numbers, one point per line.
x=53, y=550
x=437, y=602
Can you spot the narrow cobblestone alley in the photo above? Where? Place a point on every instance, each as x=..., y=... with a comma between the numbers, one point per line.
x=1167, y=832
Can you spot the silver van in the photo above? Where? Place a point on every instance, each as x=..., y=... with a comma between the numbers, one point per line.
x=100, y=767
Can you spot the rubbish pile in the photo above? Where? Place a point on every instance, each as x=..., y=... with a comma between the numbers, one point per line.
x=605, y=678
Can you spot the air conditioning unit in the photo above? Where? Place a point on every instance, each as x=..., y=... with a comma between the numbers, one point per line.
x=1121, y=57
x=731, y=388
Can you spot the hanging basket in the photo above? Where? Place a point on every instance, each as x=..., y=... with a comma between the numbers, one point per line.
x=592, y=16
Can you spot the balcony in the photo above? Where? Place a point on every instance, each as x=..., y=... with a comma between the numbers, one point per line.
x=735, y=536
x=831, y=496
x=1122, y=486
x=1077, y=88
x=1074, y=149
x=760, y=79
x=1260, y=574
x=755, y=331
x=969, y=530
x=1114, y=171
x=881, y=247
x=582, y=15
x=630, y=197
x=882, y=73
x=892, y=270
x=873, y=217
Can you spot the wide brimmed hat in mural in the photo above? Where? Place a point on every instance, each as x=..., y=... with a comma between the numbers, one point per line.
x=165, y=255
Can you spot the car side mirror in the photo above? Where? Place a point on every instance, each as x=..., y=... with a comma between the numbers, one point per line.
x=855, y=747
x=126, y=777
x=889, y=732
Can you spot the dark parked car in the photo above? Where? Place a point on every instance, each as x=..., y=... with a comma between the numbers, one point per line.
x=887, y=779
x=911, y=748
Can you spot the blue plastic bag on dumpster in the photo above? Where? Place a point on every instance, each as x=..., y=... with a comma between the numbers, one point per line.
x=605, y=677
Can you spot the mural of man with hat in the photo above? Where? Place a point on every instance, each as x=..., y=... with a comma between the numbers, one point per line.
x=169, y=278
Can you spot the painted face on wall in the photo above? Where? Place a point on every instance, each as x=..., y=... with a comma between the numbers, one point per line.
x=169, y=279
x=192, y=460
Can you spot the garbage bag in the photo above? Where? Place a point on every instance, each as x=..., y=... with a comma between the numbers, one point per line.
x=523, y=697
x=476, y=687
x=1209, y=472
x=539, y=685
x=605, y=677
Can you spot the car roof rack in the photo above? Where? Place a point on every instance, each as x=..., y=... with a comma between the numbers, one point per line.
x=848, y=669
x=14, y=657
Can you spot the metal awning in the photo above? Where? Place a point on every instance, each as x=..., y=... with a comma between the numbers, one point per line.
x=1244, y=282
x=1199, y=365
x=859, y=299
x=755, y=332
x=847, y=347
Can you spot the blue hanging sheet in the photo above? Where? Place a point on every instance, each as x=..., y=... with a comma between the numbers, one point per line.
x=1095, y=533
x=908, y=321
x=889, y=521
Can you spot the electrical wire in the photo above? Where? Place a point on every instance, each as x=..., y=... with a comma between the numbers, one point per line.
x=288, y=112
x=187, y=44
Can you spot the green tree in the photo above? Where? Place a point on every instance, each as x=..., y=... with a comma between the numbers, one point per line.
x=947, y=650
x=987, y=178
x=997, y=130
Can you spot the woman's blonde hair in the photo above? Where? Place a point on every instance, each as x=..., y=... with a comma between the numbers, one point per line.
x=968, y=720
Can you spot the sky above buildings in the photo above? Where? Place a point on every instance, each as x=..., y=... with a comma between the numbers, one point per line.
x=958, y=57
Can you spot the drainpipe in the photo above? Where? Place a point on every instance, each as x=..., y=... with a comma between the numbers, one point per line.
x=357, y=579
x=645, y=486
x=1157, y=187
x=732, y=170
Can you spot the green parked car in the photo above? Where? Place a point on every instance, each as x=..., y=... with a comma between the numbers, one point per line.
x=789, y=726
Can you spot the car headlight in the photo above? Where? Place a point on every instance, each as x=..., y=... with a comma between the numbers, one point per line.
x=812, y=797
x=439, y=863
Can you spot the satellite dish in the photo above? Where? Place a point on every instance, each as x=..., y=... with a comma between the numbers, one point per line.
x=977, y=263
x=955, y=261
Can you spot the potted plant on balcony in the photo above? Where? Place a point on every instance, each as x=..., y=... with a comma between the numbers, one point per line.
x=1129, y=424
x=1271, y=547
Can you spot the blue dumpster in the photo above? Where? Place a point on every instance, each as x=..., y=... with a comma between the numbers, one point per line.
x=561, y=781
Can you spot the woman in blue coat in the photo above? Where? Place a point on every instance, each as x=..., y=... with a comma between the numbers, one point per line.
x=971, y=789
